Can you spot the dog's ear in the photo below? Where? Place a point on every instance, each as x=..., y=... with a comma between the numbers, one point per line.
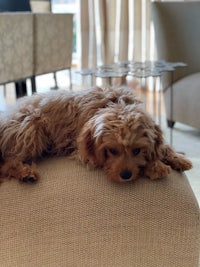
x=158, y=140
x=155, y=136
x=90, y=148
x=155, y=167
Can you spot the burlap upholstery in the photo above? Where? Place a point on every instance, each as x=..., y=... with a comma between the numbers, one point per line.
x=76, y=217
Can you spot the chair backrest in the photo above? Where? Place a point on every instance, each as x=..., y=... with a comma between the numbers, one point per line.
x=39, y=44
x=53, y=34
x=177, y=32
x=16, y=46
x=16, y=43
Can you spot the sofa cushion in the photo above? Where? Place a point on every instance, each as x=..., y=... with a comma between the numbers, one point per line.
x=77, y=217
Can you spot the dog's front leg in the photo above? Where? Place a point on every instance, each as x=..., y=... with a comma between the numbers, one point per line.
x=23, y=172
x=177, y=161
x=156, y=169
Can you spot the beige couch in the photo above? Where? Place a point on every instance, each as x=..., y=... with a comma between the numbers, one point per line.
x=33, y=44
x=76, y=217
x=177, y=31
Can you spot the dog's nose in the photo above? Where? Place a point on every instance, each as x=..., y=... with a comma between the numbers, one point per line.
x=126, y=174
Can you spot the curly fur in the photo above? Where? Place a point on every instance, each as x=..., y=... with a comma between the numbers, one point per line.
x=104, y=128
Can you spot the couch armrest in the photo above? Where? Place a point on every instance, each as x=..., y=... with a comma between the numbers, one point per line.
x=186, y=99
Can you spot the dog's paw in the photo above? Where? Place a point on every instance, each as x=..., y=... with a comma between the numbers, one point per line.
x=27, y=174
x=180, y=163
x=20, y=171
x=157, y=170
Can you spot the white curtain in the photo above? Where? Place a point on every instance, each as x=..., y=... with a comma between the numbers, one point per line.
x=114, y=30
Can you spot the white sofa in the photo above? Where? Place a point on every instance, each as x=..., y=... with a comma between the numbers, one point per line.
x=177, y=31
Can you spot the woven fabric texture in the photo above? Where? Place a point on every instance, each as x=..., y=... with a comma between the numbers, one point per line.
x=33, y=44
x=16, y=46
x=76, y=217
x=53, y=42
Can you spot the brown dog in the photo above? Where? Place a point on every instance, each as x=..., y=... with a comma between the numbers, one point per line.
x=105, y=128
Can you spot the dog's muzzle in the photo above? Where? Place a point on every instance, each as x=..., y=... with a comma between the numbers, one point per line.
x=126, y=175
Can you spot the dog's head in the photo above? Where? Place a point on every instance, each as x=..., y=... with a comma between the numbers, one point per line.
x=120, y=139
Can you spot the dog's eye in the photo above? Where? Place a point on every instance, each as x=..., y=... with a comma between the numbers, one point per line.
x=113, y=151
x=136, y=151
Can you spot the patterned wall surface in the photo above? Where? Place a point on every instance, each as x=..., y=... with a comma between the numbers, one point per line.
x=16, y=46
